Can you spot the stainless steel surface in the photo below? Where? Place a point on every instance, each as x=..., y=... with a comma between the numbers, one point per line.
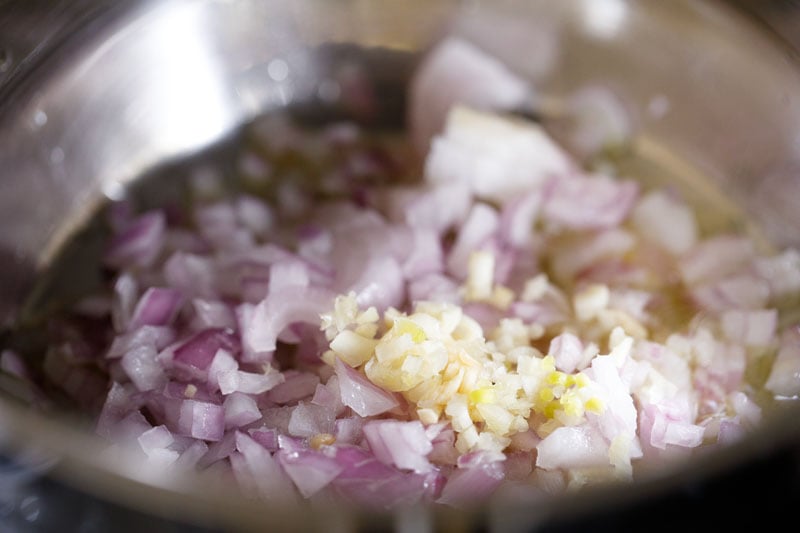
x=713, y=95
x=779, y=16
x=30, y=29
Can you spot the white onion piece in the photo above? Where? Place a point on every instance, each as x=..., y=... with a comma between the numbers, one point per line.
x=781, y=272
x=294, y=386
x=123, y=301
x=402, y=444
x=221, y=370
x=784, y=378
x=267, y=477
x=243, y=475
x=348, y=430
x=472, y=482
x=194, y=275
x=254, y=383
x=369, y=482
x=157, y=337
x=746, y=409
x=599, y=119
x=288, y=273
x=240, y=409
x=498, y=159
x=139, y=243
x=667, y=221
x=567, y=350
x=201, y=420
x=631, y=301
x=126, y=431
x=518, y=218
x=426, y=255
x=667, y=363
x=261, y=324
x=328, y=395
x=291, y=444
x=359, y=394
x=262, y=255
x=715, y=258
x=155, y=443
x=218, y=224
x=573, y=257
x=592, y=202
x=572, y=447
x=669, y=423
x=618, y=420
x=199, y=351
x=744, y=291
x=481, y=223
x=143, y=368
x=719, y=366
x=191, y=456
x=212, y=313
x=119, y=402
x=438, y=208
x=219, y=450
x=458, y=72
x=438, y=287
x=381, y=284
x=751, y=328
x=444, y=451
x=310, y=471
x=309, y=419
x=254, y=214
x=156, y=307
x=538, y=313
x=277, y=418
x=268, y=438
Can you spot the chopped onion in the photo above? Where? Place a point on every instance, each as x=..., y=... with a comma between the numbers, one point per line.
x=261, y=324
x=402, y=444
x=201, y=420
x=139, y=243
x=471, y=77
x=240, y=410
x=593, y=202
x=580, y=446
x=199, y=351
x=498, y=159
x=309, y=470
x=784, y=378
x=359, y=394
x=508, y=322
x=471, y=483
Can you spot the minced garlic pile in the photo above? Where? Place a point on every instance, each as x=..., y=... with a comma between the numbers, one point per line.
x=489, y=386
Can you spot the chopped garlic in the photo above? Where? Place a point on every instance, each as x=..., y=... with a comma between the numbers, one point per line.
x=590, y=301
x=321, y=439
x=619, y=454
x=480, y=286
x=428, y=416
x=535, y=288
x=480, y=277
x=501, y=297
x=488, y=390
x=353, y=348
